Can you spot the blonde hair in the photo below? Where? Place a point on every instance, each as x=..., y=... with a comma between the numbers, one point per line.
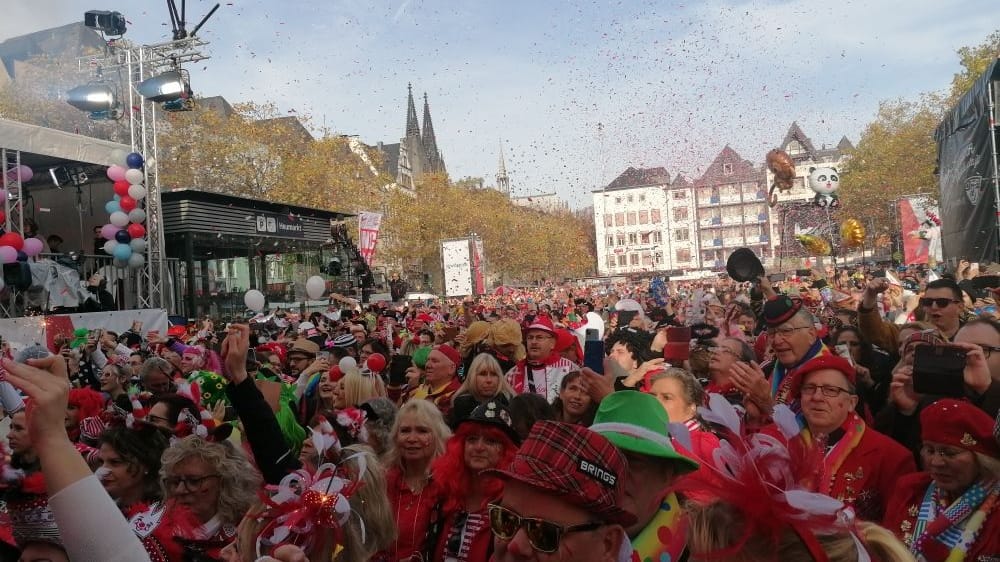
x=238, y=479
x=370, y=508
x=484, y=362
x=427, y=414
x=359, y=389
x=719, y=526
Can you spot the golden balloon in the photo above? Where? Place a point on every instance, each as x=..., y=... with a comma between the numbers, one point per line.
x=852, y=233
x=815, y=245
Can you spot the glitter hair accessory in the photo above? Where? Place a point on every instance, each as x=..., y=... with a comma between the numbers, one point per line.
x=759, y=476
x=304, y=503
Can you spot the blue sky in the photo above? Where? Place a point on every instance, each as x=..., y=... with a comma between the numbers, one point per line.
x=671, y=82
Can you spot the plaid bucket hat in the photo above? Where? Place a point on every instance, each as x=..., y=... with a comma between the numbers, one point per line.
x=575, y=464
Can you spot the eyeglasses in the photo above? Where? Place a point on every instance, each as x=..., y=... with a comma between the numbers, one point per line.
x=723, y=349
x=543, y=536
x=157, y=420
x=827, y=390
x=785, y=332
x=940, y=302
x=191, y=483
x=988, y=349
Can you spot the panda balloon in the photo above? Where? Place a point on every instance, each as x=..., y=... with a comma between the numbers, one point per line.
x=824, y=182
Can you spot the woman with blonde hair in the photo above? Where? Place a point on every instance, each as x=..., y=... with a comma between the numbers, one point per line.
x=355, y=389
x=364, y=525
x=418, y=437
x=484, y=382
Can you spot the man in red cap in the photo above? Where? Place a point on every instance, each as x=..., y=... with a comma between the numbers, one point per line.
x=440, y=377
x=542, y=371
x=859, y=466
x=561, y=498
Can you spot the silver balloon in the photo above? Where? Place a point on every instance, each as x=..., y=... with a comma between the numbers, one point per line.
x=137, y=216
x=136, y=261
x=120, y=263
x=138, y=245
x=110, y=246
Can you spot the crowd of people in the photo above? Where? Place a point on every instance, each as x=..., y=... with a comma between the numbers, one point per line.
x=834, y=415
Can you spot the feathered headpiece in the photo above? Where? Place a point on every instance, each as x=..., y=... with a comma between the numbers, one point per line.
x=304, y=503
x=351, y=420
x=759, y=476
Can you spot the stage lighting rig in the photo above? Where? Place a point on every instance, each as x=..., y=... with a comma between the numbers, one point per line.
x=178, y=19
x=99, y=99
x=109, y=23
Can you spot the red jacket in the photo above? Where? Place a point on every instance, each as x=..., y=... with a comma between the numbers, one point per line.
x=414, y=513
x=478, y=545
x=901, y=515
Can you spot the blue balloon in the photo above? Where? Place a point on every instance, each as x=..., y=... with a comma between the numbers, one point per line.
x=123, y=237
x=122, y=252
x=112, y=207
x=21, y=256
x=118, y=197
x=134, y=160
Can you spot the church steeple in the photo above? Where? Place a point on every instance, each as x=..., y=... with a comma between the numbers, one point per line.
x=429, y=142
x=412, y=128
x=503, y=181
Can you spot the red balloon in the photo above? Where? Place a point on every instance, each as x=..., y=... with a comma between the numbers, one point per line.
x=126, y=203
x=3, y=217
x=135, y=231
x=376, y=362
x=13, y=240
x=121, y=187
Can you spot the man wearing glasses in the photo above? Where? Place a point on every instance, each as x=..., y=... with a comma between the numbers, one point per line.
x=941, y=303
x=561, y=499
x=859, y=466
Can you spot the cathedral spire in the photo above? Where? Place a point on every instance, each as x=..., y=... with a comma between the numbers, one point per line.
x=412, y=128
x=429, y=141
x=503, y=181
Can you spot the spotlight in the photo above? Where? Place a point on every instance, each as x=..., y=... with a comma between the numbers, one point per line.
x=99, y=99
x=169, y=86
x=111, y=23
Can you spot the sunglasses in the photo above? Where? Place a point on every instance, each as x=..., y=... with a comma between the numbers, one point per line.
x=940, y=302
x=543, y=536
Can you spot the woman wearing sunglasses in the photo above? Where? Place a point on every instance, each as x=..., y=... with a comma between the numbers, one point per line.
x=484, y=440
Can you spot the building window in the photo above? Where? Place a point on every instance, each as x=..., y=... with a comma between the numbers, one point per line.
x=622, y=260
x=618, y=200
x=658, y=258
x=644, y=237
x=611, y=241
x=609, y=220
x=619, y=219
x=631, y=218
x=647, y=259
x=629, y=198
x=680, y=194
x=727, y=169
x=632, y=238
x=642, y=198
x=621, y=239
x=683, y=255
x=681, y=214
x=657, y=237
x=611, y=262
x=633, y=259
x=682, y=234
x=654, y=216
x=794, y=147
x=643, y=217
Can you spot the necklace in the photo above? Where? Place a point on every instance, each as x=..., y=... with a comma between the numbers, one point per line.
x=417, y=556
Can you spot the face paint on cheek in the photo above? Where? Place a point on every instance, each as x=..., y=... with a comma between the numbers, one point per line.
x=101, y=472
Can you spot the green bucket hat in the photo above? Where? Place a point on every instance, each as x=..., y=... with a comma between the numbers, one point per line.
x=420, y=356
x=636, y=422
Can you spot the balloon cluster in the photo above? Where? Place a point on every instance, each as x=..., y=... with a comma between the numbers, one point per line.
x=125, y=233
x=852, y=233
x=14, y=247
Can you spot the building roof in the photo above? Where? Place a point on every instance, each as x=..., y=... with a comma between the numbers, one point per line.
x=390, y=157
x=718, y=173
x=639, y=177
x=290, y=125
x=217, y=104
x=73, y=40
x=186, y=194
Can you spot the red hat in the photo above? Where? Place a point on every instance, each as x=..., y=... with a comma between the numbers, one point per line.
x=825, y=361
x=959, y=424
x=274, y=348
x=542, y=323
x=565, y=340
x=176, y=331
x=451, y=353
x=575, y=464
x=425, y=318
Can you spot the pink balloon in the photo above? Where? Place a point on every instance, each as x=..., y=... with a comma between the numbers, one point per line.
x=116, y=173
x=33, y=246
x=108, y=231
x=8, y=254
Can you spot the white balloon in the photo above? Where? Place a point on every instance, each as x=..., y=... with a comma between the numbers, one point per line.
x=137, y=192
x=110, y=246
x=315, y=287
x=137, y=216
x=134, y=176
x=138, y=245
x=136, y=260
x=254, y=300
x=347, y=363
x=119, y=219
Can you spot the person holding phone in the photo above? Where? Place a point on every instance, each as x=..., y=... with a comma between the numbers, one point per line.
x=942, y=305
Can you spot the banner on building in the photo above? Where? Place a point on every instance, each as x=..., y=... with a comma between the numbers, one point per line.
x=43, y=330
x=369, y=225
x=456, y=261
x=921, y=230
x=478, y=275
